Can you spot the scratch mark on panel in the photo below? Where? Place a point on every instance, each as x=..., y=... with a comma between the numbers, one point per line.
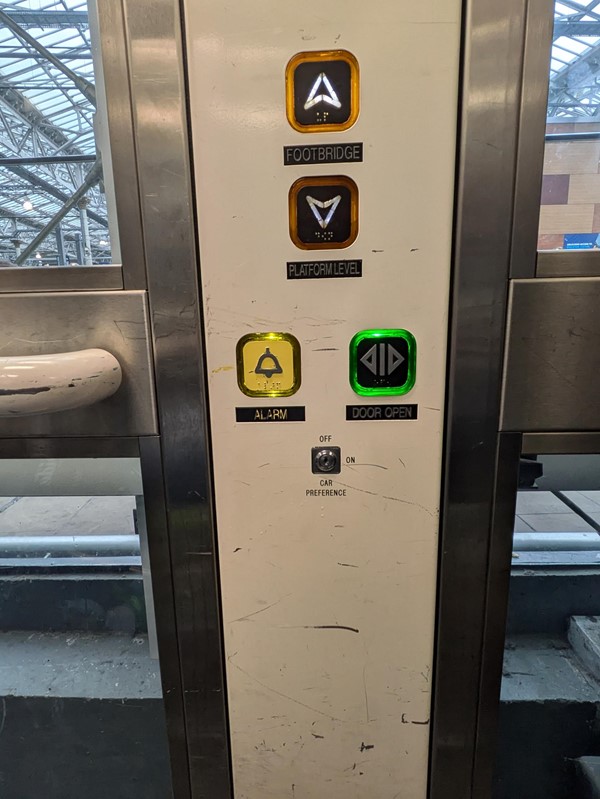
x=350, y=565
x=280, y=693
x=319, y=627
x=408, y=502
x=364, y=746
x=222, y=369
x=384, y=496
x=362, y=490
x=366, y=697
x=331, y=627
x=261, y=610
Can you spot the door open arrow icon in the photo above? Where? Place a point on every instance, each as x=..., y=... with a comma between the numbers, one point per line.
x=376, y=361
x=316, y=204
x=330, y=98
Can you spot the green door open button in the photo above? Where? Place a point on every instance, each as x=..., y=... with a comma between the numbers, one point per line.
x=383, y=362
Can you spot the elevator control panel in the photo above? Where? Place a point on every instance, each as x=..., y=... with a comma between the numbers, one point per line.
x=324, y=146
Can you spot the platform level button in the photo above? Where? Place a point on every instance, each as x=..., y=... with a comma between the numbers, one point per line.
x=268, y=364
x=383, y=362
x=323, y=212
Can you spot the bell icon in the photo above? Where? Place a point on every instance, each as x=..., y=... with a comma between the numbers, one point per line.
x=268, y=365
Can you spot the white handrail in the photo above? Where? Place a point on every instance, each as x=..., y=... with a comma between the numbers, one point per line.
x=36, y=384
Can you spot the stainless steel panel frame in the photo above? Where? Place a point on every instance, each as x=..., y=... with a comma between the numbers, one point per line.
x=495, y=611
x=565, y=263
x=532, y=123
x=552, y=374
x=561, y=443
x=38, y=324
x=158, y=92
x=494, y=38
x=122, y=141
x=60, y=278
x=165, y=615
x=17, y=448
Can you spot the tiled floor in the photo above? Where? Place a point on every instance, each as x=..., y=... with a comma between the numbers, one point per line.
x=537, y=511
x=544, y=512
x=21, y=516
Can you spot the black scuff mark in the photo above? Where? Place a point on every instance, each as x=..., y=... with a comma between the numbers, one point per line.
x=404, y=720
x=13, y=392
x=364, y=747
x=331, y=627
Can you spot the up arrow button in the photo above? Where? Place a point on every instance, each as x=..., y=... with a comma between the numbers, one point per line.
x=382, y=362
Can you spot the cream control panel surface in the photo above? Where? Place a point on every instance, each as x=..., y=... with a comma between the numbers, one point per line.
x=324, y=142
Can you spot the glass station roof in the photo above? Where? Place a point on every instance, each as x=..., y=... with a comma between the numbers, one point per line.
x=47, y=147
x=575, y=65
x=47, y=107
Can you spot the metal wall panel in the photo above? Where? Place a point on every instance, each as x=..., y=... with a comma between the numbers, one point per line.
x=568, y=263
x=552, y=375
x=61, y=278
x=494, y=39
x=532, y=121
x=117, y=321
x=156, y=70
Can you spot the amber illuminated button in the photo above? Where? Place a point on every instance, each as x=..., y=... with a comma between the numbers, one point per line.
x=268, y=364
x=323, y=213
x=322, y=91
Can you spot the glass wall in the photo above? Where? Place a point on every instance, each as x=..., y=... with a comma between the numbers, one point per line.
x=549, y=736
x=81, y=705
x=570, y=202
x=56, y=196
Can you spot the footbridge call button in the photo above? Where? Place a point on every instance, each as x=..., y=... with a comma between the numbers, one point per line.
x=383, y=362
x=322, y=91
x=323, y=212
x=268, y=364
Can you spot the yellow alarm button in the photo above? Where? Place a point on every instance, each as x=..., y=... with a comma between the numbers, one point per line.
x=268, y=364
